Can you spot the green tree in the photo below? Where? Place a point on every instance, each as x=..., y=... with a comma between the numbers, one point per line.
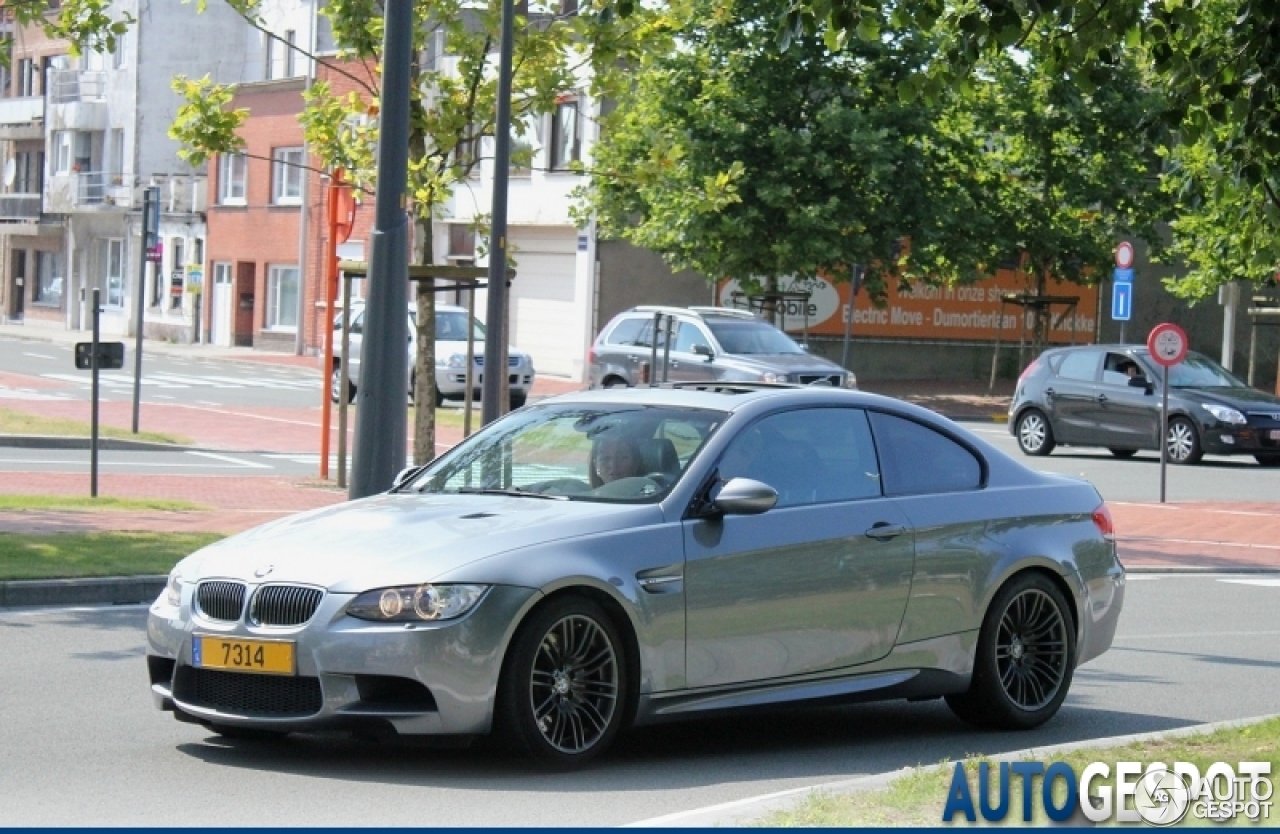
x=734, y=159
x=1070, y=168
x=453, y=106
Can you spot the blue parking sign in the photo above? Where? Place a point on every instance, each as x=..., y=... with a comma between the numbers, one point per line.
x=1121, y=301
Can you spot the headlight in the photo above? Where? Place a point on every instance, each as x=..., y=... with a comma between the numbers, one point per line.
x=1225, y=414
x=416, y=603
x=850, y=380
x=173, y=590
x=457, y=360
x=770, y=376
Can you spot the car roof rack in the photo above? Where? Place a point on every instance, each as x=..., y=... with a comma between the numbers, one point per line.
x=724, y=387
x=694, y=311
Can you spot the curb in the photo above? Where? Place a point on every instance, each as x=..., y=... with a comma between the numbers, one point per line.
x=1198, y=571
x=109, y=590
x=745, y=811
x=73, y=442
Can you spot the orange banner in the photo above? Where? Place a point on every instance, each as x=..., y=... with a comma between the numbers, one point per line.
x=972, y=312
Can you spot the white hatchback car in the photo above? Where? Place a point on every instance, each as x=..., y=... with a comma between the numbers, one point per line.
x=451, y=357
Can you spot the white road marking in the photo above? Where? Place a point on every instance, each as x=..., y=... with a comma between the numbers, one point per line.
x=238, y=461
x=190, y=380
x=1261, y=583
x=1197, y=542
x=84, y=466
x=207, y=402
x=163, y=397
x=39, y=355
x=1216, y=635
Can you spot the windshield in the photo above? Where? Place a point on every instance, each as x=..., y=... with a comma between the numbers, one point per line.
x=752, y=337
x=610, y=453
x=1197, y=371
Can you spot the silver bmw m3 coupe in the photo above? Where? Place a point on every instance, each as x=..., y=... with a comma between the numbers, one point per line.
x=627, y=556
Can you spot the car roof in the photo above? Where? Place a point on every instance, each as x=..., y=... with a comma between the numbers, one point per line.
x=698, y=312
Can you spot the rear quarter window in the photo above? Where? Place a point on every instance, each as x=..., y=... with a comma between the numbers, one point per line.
x=625, y=332
x=1081, y=365
x=918, y=460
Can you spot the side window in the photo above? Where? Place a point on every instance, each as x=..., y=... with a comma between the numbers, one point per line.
x=689, y=335
x=1118, y=369
x=626, y=332
x=916, y=460
x=809, y=456
x=1080, y=364
x=357, y=324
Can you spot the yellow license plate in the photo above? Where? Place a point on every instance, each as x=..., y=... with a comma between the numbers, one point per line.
x=268, y=657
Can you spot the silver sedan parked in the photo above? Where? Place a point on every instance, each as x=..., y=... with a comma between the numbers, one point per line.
x=628, y=556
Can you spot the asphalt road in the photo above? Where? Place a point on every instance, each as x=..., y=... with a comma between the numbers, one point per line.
x=165, y=378
x=83, y=745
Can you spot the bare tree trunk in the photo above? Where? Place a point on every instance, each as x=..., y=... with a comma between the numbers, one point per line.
x=424, y=366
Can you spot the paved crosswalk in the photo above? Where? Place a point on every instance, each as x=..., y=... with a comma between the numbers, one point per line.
x=160, y=380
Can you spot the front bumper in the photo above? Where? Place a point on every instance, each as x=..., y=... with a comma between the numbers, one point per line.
x=415, y=678
x=1234, y=439
x=453, y=383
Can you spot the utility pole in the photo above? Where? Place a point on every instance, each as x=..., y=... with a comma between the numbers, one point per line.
x=495, y=345
x=384, y=372
x=150, y=226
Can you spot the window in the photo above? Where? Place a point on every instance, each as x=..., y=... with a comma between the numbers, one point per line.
x=524, y=145
x=282, y=297
x=916, y=460
x=627, y=332
x=689, y=335
x=565, y=147
x=48, y=288
x=286, y=176
x=112, y=253
x=62, y=140
x=1080, y=364
x=177, y=272
x=282, y=60
x=28, y=172
x=118, y=53
x=28, y=84
x=466, y=154
x=462, y=241
x=116, y=166
x=231, y=179
x=783, y=451
x=222, y=273
x=290, y=53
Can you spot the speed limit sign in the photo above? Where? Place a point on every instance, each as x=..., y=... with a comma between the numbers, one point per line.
x=1167, y=344
x=1124, y=255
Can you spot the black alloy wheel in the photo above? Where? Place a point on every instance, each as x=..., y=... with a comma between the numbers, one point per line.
x=1267, y=459
x=1035, y=435
x=565, y=690
x=1025, y=657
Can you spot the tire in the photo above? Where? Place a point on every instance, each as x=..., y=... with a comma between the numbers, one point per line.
x=1123, y=453
x=335, y=386
x=615, y=382
x=439, y=398
x=1035, y=435
x=518, y=400
x=1025, y=658
x=1265, y=459
x=553, y=707
x=1183, y=442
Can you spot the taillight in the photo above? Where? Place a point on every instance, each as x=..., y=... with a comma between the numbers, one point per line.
x=591, y=355
x=1102, y=520
x=1035, y=363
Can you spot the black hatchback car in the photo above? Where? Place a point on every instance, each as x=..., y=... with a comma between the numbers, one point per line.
x=1109, y=396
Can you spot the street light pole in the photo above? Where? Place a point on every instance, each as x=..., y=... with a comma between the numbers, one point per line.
x=384, y=372
x=495, y=345
x=150, y=205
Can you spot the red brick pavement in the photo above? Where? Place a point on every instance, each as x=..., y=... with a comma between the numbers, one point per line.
x=1182, y=535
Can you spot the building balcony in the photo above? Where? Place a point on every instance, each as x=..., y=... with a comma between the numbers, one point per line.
x=19, y=207
x=22, y=118
x=77, y=100
x=86, y=191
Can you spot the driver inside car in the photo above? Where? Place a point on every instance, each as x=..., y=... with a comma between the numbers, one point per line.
x=614, y=458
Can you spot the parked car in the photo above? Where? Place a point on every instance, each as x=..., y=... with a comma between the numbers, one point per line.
x=1086, y=396
x=707, y=344
x=763, y=544
x=451, y=357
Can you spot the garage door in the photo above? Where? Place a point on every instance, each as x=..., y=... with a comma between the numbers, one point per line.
x=549, y=311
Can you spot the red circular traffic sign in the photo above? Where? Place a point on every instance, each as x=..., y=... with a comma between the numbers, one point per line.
x=1124, y=254
x=1167, y=344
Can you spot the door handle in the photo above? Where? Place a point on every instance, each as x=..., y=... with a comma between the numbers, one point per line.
x=883, y=531
x=1102, y=398
x=1049, y=392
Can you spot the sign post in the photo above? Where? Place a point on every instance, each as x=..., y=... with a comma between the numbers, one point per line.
x=1122, y=286
x=1167, y=344
x=94, y=356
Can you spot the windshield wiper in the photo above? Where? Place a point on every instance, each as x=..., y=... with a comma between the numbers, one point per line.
x=515, y=491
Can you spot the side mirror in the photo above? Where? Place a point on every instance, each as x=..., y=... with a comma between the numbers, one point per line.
x=405, y=475
x=743, y=496
x=703, y=350
x=1138, y=382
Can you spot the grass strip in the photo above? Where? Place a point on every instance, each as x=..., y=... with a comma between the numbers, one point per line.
x=918, y=799
x=20, y=422
x=76, y=555
x=56, y=503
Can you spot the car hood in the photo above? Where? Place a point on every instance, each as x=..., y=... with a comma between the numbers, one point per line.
x=401, y=538
x=1242, y=399
x=787, y=362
